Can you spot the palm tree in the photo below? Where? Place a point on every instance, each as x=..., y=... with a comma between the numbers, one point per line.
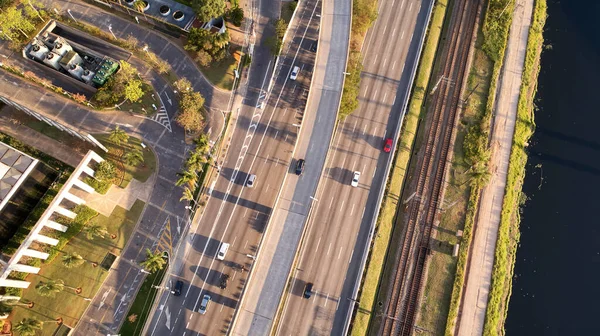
x=72, y=259
x=118, y=136
x=94, y=230
x=15, y=303
x=133, y=157
x=202, y=144
x=49, y=288
x=186, y=177
x=28, y=326
x=139, y=6
x=154, y=261
x=188, y=195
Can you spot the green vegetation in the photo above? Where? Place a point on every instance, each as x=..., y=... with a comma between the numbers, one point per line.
x=208, y=9
x=191, y=107
x=140, y=308
x=276, y=42
x=15, y=26
x=118, y=152
x=391, y=200
x=235, y=15
x=508, y=234
x=364, y=13
x=488, y=62
x=195, y=165
x=288, y=10
x=155, y=261
x=68, y=304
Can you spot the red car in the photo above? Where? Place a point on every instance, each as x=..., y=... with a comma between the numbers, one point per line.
x=388, y=146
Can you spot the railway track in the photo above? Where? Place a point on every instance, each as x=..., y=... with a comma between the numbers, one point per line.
x=404, y=295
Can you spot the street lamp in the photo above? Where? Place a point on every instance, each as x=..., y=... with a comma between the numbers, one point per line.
x=110, y=30
x=71, y=14
x=144, y=271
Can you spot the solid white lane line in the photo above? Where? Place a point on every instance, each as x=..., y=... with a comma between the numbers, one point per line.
x=340, y=253
x=234, y=239
x=266, y=191
x=220, y=310
x=318, y=243
x=331, y=203
x=355, y=123
x=363, y=215
x=233, y=276
x=245, y=211
x=384, y=61
x=352, y=211
x=375, y=59
x=375, y=94
x=284, y=111
x=329, y=249
x=375, y=131
x=365, y=129
x=402, y=35
x=342, y=207
x=349, y=260
x=393, y=65
x=374, y=171
x=326, y=300
x=245, y=244
x=410, y=7
x=384, y=96
x=266, y=158
x=394, y=32
x=275, y=137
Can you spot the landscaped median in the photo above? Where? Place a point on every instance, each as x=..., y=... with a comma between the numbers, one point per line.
x=391, y=200
x=508, y=235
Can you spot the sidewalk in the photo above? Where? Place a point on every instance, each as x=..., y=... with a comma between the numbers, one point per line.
x=479, y=273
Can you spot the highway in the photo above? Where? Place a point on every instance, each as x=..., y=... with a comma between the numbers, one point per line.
x=261, y=143
x=332, y=250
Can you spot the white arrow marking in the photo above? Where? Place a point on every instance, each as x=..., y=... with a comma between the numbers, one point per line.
x=104, y=296
x=168, y=316
x=168, y=99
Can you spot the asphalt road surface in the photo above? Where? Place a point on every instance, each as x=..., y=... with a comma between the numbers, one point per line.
x=262, y=143
x=338, y=230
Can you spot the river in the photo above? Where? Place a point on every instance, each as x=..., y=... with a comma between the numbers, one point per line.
x=556, y=288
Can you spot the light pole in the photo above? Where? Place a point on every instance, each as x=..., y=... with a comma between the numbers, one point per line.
x=144, y=271
x=71, y=14
x=110, y=30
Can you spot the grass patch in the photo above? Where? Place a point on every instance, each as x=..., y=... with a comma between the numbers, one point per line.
x=221, y=74
x=142, y=304
x=393, y=191
x=287, y=10
x=125, y=172
x=67, y=304
x=508, y=234
x=144, y=105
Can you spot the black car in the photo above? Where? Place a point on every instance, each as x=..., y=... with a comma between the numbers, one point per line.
x=308, y=290
x=177, y=288
x=300, y=167
x=313, y=47
x=224, y=281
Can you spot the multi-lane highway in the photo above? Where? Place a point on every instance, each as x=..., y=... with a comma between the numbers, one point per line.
x=261, y=144
x=333, y=247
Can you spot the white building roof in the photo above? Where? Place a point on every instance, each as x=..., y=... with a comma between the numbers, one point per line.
x=15, y=166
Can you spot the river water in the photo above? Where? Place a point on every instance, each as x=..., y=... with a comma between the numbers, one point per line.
x=556, y=289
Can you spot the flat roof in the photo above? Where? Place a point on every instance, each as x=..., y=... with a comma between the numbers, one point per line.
x=15, y=166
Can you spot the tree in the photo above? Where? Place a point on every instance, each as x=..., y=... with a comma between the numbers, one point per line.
x=105, y=171
x=192, y=101
x=13, y=23
x=183, y=85
x=186, y=177
x=133, y=157
x=187, y=195
x=94, y=230
x=203, y=58
x=154, y=261
x=139, y=6
x=118, y=136
x=72, y=259
x=236, y=15
x=208, y=9
x=202, y=144
x=50, y=287
x=133, y=90
x=190, y=120
x=28, y=326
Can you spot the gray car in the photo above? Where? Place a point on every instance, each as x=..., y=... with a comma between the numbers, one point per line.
x=204, y=304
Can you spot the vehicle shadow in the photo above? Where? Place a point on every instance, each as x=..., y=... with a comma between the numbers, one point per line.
x=341, y=175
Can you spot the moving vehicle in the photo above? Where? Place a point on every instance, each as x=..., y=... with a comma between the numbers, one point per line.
x=294, y=73
x=355, y=179
x=308, y=290
x=222, y=251
x=300, y=167
x=250, y=181
x=204, y=304
x=388, y=145
x=177, y=288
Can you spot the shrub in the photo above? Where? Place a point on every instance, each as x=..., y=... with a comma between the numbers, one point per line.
x=235, y=16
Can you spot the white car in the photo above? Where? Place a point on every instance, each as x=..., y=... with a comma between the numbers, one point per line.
x=250, y=181
x=355, y=179
x=294, y=73
x=204, y=304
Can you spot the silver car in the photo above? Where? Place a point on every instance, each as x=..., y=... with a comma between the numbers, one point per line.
x=204, y=304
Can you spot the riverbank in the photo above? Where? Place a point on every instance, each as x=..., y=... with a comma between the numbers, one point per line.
x=508, y=234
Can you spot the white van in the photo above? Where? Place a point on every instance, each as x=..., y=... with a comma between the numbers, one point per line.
x=222, y=251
